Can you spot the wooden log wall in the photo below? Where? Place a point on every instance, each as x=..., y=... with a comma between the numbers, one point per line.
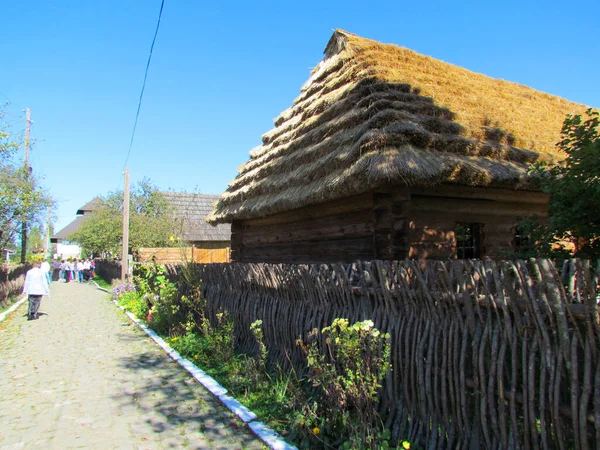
x=434, y=213
x=391, y=223
x=485, y=354
x=335, y=231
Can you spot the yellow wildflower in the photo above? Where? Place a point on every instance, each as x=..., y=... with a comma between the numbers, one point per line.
x=316, y=430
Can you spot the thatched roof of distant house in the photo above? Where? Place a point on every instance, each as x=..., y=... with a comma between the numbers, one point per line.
x=193, y=209
x=375, y=114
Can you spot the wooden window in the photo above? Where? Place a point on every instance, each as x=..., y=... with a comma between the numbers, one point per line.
x=468, y=240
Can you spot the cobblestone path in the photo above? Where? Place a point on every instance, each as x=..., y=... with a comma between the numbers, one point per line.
x=84, y=376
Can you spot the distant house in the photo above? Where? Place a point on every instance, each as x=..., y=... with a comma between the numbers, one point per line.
x=389, y=154
x=203, y=242
x=200, y=241
x=63, y=247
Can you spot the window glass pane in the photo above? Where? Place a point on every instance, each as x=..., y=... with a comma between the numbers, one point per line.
x=468, y=240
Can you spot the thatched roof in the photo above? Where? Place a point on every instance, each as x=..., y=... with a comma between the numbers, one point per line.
x=192, y=209
x=375, y=114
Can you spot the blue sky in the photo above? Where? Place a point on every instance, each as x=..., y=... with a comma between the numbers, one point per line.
x=221, y=71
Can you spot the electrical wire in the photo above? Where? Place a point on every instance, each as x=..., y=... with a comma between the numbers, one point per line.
x=144, y=83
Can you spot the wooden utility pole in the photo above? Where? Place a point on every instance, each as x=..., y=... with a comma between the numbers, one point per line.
x=47, y=235
x=125, y=248
x=27, y=172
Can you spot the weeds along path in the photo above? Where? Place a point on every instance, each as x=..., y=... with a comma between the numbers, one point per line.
x=84, y=376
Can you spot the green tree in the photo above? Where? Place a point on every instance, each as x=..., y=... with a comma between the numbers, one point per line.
x=35, y=238
x=21, y=196
x=151, y=222
x=573, y=228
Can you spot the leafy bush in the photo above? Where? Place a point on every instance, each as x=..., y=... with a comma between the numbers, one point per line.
x=573, y=227
x=347, y=371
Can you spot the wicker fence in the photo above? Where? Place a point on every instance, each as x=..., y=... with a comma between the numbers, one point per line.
x=108, y=269
x=484, y=354
x=11, y=281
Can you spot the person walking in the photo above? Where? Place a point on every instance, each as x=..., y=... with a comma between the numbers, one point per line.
x=63, y=270
x=72, y=266
x=79, y=268
x=46, y=269
x=56, y=270
x=35, y=286
x=75, y=269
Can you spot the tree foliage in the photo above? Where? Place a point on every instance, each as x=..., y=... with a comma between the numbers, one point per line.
x=573, y=228
x=151, y=222
x=21, y=196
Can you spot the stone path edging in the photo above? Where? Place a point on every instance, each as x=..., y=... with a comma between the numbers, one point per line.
x=264, y=433
x=12, y=308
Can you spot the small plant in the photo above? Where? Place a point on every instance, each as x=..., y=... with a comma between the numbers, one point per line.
x=347, y=371
x=256, y=329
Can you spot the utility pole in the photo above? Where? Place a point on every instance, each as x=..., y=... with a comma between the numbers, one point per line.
x=47, y=236
x=125, y=248
x=27, y=173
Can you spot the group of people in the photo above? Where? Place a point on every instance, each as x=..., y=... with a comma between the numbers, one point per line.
x=72, y=269
x=42, y=274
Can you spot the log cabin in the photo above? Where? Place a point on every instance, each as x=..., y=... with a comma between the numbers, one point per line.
x=389, y=154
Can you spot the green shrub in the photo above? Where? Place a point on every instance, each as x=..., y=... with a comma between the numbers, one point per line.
x=346, y=372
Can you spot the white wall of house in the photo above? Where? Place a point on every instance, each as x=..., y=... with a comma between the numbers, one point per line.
x=68, y=250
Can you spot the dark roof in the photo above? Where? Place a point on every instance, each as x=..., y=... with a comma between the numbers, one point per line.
x=69, y=229
x=88, y=207
x=194, y=208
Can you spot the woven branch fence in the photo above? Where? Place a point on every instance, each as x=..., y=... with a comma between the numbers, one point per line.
x=485, y=354
x=108, y=269
x=11, y=281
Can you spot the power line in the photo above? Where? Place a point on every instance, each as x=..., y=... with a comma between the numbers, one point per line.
x=144, y=83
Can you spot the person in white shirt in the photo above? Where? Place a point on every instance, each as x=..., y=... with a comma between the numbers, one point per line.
x=79, y=270
x=35, y=286
x=46, y=269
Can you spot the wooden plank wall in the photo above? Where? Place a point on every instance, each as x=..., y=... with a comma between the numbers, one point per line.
x=173, y=255
x=434, y=213
x=201, y=252
x=341, y=230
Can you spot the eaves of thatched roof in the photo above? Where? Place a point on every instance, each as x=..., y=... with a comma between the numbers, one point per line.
x=375, y=114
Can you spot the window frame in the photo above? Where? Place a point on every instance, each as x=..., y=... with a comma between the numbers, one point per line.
x=468, y=240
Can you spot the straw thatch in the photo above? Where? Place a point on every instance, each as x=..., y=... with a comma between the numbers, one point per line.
x=374, y=114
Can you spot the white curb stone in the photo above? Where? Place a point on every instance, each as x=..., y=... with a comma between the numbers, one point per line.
x=237, y=408
x=268, y=436
x=12, y=308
